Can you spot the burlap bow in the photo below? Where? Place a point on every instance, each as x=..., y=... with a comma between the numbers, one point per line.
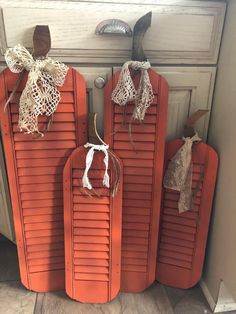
x=178, y=175
x=125, y=90
x=40, y=95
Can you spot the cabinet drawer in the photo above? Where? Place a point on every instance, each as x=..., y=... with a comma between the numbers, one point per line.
x=182, y=32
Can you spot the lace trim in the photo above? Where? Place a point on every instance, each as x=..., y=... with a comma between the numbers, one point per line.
x=40, y=95
x=125, y=90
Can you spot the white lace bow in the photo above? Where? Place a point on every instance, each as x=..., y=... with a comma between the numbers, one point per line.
x=89, y=160
x=125, y=90
x=40, y=95
x=178, y=175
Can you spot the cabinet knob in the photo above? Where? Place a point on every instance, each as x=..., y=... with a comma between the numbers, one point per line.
x=99, y=82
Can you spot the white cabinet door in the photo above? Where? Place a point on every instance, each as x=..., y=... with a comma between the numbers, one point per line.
x=190, y=89
x=95, y=98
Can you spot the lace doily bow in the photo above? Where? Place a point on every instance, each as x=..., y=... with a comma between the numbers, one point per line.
x=178, y=175
x=40, y=95
x=125, y=90
x=89, y=160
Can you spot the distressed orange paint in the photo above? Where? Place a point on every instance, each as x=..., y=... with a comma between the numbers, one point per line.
x=183, y=236
x=92, y=231
x=142, y=182
x=35, y=168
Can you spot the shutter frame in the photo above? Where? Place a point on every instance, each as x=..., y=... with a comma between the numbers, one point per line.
x=92, y=232
x=149, y=157
x=35, y=274
x=172, y=270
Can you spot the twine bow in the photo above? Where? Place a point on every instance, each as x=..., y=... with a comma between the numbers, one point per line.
x=89, y=160
x=125, y=90
x=40, y=95
x=178, y=175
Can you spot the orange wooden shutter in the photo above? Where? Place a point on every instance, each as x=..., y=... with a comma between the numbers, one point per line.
x=35, y=168
x=143, y=169
x=183, y=236
x=92, y=232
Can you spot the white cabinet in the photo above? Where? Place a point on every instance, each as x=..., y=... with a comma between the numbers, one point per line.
x=190, y=88
x=183, y=40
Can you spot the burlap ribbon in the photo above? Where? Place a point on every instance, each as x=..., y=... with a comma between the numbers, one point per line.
x=40, y=95
x=125, y=91
x=178, y=175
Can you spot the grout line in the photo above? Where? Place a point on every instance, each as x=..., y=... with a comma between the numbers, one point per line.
x=38, y=307
x=179, y=300
x=167, y=299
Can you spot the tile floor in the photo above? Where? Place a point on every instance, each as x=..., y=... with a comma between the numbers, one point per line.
x=14, y=298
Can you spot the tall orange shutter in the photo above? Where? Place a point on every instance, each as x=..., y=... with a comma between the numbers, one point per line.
x=35, y=168
x=183, y=236
x=92, y=231
x=143, y=169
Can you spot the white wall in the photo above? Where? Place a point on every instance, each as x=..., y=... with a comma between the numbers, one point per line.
x=221, y=251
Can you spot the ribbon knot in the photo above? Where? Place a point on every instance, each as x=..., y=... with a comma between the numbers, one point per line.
x=178, y=175
x=89, y=160
x=40, y=95
x=125, y=90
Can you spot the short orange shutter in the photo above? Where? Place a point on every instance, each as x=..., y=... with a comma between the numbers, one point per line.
x=183, y=236
x=142, y=182
x=92, y=231
x=35, y=168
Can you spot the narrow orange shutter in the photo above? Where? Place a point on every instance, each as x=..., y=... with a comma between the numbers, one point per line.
x=143, y=169
x=92, y=232
x=183, y=236
x=35, y=168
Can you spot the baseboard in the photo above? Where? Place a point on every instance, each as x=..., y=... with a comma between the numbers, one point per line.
x=225, y=303
x=207, y=295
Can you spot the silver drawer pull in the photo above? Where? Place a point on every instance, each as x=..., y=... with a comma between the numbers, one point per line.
x=113, y=27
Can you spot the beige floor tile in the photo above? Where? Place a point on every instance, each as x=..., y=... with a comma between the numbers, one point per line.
x=175, y=295
x=60, y=303
x=157, y=299
x=193, y=302
x=153, y=300
x=15, y=299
